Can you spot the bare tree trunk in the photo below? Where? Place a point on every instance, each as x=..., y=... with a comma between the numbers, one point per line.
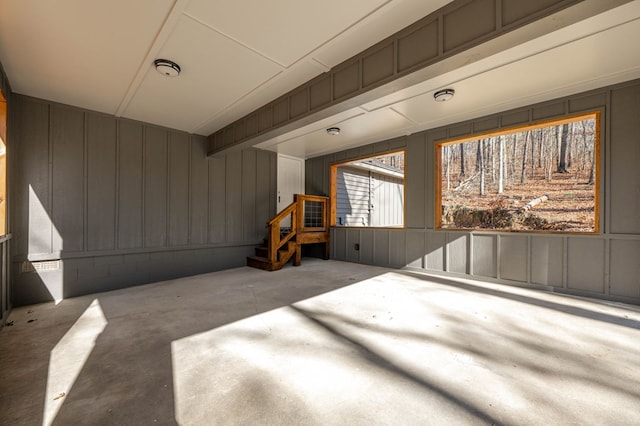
x=493, y=161
x=461, y=160
x=533, y=154
x=570, y=145
x=514, y=148
x=562, y=164
x=481, y=165
x=523, y=175
x=447, y=162
x=541, y=153
x=500, y=165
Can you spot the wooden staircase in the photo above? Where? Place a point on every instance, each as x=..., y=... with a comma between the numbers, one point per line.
x=309, y=216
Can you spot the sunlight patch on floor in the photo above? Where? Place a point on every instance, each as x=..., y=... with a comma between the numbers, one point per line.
x=69, y=356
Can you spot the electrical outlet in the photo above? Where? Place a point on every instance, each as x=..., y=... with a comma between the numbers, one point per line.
x=357, y=247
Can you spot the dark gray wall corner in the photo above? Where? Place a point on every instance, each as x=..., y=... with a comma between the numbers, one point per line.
x=101, y=202
x=604, y=265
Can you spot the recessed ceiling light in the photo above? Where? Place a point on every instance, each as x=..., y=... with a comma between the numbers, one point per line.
x=443, y=95
x=333, y=131
x=167, y=68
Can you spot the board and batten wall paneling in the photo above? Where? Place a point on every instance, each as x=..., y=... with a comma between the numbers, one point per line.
x=585, y=264
x=217, y=200
x=353, y=238
x=415, y=248
x=179, y=158
x=119, y=202
x=67, y=178
x=603, y=265
x=199, y=197
x=514, y=257
x=339, y=243
x=397, y=248
x=130, y=185
x=31, y=201
x=625, y=268
x=457, y=253
x=101, y=182
x=625, y=159
x=547, y=260
x=434, y=259
x=366, y=246
x=234, y=196
x=155, y=186
x=265, y=195
x=248, y=191
x=381, y=247
x=415, y=180
x=484, y=255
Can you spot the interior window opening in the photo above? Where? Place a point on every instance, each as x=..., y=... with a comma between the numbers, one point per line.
x=542, y=177
x=369, y=192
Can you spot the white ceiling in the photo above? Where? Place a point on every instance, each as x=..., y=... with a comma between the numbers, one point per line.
x=235, y=55
x=238, y=55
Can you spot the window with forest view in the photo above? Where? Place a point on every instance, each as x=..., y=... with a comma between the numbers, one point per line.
x=536, y=178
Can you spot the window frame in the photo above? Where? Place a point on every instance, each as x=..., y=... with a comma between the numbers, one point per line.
x=596, y=115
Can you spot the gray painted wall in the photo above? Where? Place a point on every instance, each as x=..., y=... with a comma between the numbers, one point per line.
x=123, y=203
x=605, y=265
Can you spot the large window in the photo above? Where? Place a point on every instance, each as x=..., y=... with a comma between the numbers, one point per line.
x=543, y=177
x=369, y=192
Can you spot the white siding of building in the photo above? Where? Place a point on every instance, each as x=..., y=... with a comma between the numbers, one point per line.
x=387, y=201
x=352, y=193
x=366, y=198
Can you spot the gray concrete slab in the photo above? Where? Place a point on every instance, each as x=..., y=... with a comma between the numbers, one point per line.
x=326, y=343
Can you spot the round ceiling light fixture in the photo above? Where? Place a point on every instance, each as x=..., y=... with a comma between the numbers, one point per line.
x=167, y=68
x=443, y=95
x=333, y=131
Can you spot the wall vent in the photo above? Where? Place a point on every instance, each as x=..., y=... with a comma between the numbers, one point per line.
x=41, y=265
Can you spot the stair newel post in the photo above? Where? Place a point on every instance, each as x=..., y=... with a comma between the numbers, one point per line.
x=294, y=220
x=326, y=205
x=294, y=229
x=274, y=241
x=299, y=211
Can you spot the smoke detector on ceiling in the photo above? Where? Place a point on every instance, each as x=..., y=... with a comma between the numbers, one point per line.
x=443, y=95
x=167, y=68
x=333, y=131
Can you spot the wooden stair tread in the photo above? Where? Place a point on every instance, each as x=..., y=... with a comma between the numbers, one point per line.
x=283, y=244
x=261, y=263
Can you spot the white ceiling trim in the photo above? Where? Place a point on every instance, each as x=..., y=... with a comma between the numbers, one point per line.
x=238, y=42
x=165, y=32
x=248, y=95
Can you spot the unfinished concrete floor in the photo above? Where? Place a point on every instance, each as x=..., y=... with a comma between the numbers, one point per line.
x=326, y=343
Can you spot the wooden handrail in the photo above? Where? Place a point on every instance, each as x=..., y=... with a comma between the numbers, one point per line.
x=284, y=213
x=311, y=197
